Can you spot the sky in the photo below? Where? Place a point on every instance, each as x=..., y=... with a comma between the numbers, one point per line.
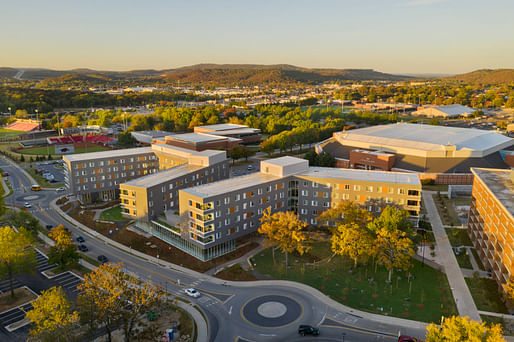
x=395, y=36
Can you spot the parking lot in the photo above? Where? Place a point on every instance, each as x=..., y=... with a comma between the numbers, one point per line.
x=53, y=168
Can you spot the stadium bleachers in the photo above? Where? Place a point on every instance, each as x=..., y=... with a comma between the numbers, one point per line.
x=72, y=139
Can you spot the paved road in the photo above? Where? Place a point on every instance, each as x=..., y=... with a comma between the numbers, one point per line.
x=224, y=306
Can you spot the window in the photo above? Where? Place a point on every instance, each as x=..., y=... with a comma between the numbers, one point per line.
x=315, y=194
x=303, y=211
x=305, y=193
x=389, y=200
x=347, y=186
x=259, y=211
x=227, y=200
x=238, y=197
x=326, y=204
x=390, y=190
x=401, y=191
x=314, y=203
x=259, y=191
x=356, y=188
x=369, y=188
x=413, y=193
x=314, y=184
x=304, y=183
x=218, y=235
x=379, y=189
x=227, y=221
x=268, y=188
x=305, y=202
x=346, y=196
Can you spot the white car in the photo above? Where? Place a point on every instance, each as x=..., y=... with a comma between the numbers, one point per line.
x=60, y=189
x=27, y=205
x=192, y=293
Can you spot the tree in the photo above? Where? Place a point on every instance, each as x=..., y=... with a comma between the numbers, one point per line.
x=352, y=240
x=347, y=212
x=462, y=329
x=284, y=230
x=268, y=146
x=312, y=157
x=246, y=152
x=52, y=317
x=65, y=251
x=236, y=153
x=16, y=256
x=126, y=139
x=111, y=297
x=509, y=289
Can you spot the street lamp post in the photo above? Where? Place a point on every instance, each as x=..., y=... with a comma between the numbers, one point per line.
x=343, y=334
x=10, y=112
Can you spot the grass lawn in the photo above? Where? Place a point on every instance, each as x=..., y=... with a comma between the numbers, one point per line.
x=446, y=212
x=9, y=132
x=235, y=273
x=113, y=214
x=486, y=295
x=435, y=187
x=41, y=180
x=91, y=148
x=477, y=259
x=463, y=260
x=508, y=329
x=458, y=237
x=426, y=297
x=21, y=296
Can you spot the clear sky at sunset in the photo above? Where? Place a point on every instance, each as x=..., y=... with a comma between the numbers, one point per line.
x=399, y=36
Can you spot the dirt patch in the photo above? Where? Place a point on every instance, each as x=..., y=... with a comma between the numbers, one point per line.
x=87, y=218
x=21, y=296
x=66, y=206
x=175, y=255
x=235, y=273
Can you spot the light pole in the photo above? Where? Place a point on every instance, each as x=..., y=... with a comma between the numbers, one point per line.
x=10, y=112
x=343, y=334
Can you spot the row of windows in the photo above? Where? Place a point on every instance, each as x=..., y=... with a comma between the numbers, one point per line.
x=114, y=161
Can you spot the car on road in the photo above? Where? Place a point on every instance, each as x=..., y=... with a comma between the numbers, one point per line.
x=102, y=258
x=49, y=226
x=405, y=338
x=27, y=205
x=62, y=188
x=83, y=248
x=80, y=239
x=35, y=187
x=305, y=329
x=6, y=174
x=250, y=167
x=192, y=292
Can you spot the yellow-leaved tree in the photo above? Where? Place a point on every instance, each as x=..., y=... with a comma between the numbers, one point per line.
x=346, y=212
x=352, y=240
x=285, y=231
x=15, y=255
x=65, y=251
x=52, y=317
x=114, y=298
x=462, y=329
x=393, y=243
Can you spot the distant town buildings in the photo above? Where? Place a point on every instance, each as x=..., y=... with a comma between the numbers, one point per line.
x=491, y=221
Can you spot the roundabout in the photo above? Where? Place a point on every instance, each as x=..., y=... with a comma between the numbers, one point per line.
x=271, y=311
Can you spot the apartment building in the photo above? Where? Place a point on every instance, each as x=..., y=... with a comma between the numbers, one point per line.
x=213, y=216
x=491, y=221
x=97, y=176
x=148, y=197
x=247, y=134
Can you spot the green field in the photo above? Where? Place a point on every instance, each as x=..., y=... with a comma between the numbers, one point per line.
x=43, y=151
x=9, y=132
x=113, y=214
x=426, y=297
x=486, y=295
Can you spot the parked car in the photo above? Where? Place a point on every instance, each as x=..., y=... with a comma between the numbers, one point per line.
x=102, y=258
x=49, y=226
x=192, y=292
x=80, y=239
x=83, y=248
x=27, y=205
x=62, y=188
x=405, y=338
x=305, y=329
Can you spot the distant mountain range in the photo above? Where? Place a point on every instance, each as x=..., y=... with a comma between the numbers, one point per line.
x=244, y=74
x=236, y=74
x=486, y=76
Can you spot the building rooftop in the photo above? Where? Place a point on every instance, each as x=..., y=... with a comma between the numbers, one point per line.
x=236, y=131
x=163, y=176
x=426, y=137
x=362, y=175
x=107, y=154
x=284, y=161
x=231, y=184
x=454, y=109
x=500, y=183
x=222, y=127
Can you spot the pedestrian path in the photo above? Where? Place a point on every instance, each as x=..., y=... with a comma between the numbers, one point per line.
x=463, y=299
x=242, y=260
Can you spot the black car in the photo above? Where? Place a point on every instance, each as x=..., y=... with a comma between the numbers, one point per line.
x=308, y=330
x=83, y=248
x=102, y=258
x=49, y=226
x=80, y=239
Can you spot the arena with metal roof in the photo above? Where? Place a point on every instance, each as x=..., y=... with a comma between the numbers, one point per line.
x=425, y=148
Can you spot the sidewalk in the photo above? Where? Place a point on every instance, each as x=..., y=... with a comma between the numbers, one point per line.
x=463, y=299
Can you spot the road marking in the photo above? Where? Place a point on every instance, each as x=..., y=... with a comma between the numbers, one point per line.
x=230, y=310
